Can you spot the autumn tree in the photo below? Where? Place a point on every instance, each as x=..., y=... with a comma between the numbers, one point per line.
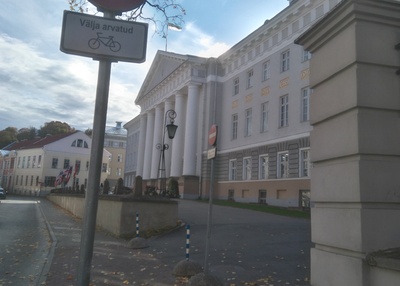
x=27, y=133
x=55, y=128
x=166, y=13
x=7, y=136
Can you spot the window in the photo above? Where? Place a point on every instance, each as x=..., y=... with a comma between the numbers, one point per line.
x=248, y=119
x=283, y=165
x=28, y=164
x=33, y=161
x=264, y=117
x=234, y=126
x=232, y=170
x=236, y=86
x=87, y=165
x=39, y=162
x=19, y=162
x=49, y=181
x=306, y=56
x=262, y=196
x=283, y=110
x=250, y=76
x=104, y=167
x=66, y=163
x=247, y=168
x=305, y=104
x=23, y=162
x=304, y=162
x=16, y=180
x=118, y=172
x=263, y=167
x=119, y=158
x=54, y=163
x=77, y=167
x=285, y=61
x=31, y=180
x=80, y=143
x=266, y=70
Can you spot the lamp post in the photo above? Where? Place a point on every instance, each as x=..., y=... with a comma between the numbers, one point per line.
x=171, y=130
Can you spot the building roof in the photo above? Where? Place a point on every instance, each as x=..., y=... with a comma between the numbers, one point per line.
x=117, y=130
x=36, y=143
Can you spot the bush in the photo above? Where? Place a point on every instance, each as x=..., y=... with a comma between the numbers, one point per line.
x=173, y=188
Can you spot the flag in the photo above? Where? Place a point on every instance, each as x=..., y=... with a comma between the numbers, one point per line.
x=67, y=174
x=77, y=168
x=175, y=27
x=59, y=179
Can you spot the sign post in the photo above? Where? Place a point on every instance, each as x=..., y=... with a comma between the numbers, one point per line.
x=105, y=39
x=212, y=140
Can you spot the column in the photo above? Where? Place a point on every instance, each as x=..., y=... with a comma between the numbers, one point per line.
x=355, y=144
x=169, y=105
x=189, y=155
x=177, y=147
x=158, y=131
x=148, y=150
x=142, y=144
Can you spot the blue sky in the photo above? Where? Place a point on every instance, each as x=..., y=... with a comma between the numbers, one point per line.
x=39, y=83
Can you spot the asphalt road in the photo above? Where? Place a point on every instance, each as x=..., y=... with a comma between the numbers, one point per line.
x=245, y=248
x=24, y=242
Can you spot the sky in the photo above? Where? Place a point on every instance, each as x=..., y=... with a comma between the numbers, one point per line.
x=39, y=83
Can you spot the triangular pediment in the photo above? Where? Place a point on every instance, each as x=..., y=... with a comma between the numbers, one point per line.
x=163, y=65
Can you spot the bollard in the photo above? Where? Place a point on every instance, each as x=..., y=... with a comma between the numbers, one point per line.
x=137, y=224
x=187, y=241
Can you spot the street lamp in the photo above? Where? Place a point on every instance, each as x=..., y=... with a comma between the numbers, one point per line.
x=171, y=130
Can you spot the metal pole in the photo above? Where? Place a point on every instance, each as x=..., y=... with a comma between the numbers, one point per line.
x=96, y=158
x=209, y=223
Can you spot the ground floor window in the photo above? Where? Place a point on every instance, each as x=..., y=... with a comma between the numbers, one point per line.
x=305, y=199
x=262, y=196
x=231, y=195
x=49, y=181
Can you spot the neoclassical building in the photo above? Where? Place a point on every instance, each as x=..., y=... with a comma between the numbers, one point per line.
x=257, y=93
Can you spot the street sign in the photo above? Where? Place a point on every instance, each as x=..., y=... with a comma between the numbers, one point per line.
x=212, y=135
x=117, y=5
x=211, y=153
x=98, y=37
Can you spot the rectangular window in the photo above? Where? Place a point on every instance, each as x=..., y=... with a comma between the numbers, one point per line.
x=283, y=111
x=33, y=161
x=87, y=165
x=49, y=181
x=39, y=162
x=263, y=167
x=266, y=70
x=304, y=162
x=236, y=86
x=19, y=162
x=247, y=168
x=118, y=172
x=305, y=104
x=306, y=56
x=23, y=162
x=232, y=170
x=28, y=164
x=285, y=61
x=54, y=163
x=16, y=180
x=66, y=163
x=264, y=117
x=283, y=165
x=31, y=180
x=250, y=76
x=234, y=126
x=247, y=124
x=119, y=158
x=104, y=167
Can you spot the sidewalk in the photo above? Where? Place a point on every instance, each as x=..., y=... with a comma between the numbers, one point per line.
x=246, y=248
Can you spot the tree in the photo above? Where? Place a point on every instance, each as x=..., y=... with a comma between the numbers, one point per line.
x=168, y=13
x=27, y=133
x=89, y=132
x=55, y=128
x=106, y=187
x=7, y=136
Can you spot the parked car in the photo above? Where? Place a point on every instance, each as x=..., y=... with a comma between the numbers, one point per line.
x=2, y=194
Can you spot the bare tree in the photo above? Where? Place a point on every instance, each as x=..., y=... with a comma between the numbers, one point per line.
x=167, y=13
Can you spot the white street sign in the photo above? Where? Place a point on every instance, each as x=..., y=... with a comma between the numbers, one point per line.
x=99, y=37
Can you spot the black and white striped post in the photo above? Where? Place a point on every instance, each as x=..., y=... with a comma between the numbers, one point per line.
x=137, y=224
x=187, y=241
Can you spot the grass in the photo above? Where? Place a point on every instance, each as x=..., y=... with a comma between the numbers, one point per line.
x=264, y=208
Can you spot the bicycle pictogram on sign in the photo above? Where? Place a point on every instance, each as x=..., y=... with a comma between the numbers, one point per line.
x=109, y=42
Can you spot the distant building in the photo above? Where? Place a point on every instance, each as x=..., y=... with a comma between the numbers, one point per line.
x=132, y=146
x=115, y=143
x=258, y=95
x=34, y=167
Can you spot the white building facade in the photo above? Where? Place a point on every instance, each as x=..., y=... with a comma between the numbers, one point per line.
x=257, y=93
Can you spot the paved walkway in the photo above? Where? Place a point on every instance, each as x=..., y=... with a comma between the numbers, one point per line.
x=246, y=248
